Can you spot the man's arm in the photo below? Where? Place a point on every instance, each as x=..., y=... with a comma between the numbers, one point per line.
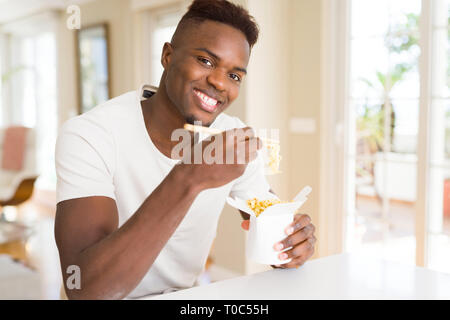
x=113, y=260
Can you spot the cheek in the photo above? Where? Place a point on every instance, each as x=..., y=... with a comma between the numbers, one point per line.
x=233, y=93
x=189, y=71
x=177, y=81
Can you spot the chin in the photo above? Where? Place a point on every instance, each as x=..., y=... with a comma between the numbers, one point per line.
x=200, y=116
x=191, y=119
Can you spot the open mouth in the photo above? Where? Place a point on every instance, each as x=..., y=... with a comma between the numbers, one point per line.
x=207, y=103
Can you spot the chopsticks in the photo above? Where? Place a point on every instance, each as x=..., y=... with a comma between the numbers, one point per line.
x=211, y=131
x=192, y=128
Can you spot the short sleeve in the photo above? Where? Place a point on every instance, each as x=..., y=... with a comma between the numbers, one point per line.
x=84, y=160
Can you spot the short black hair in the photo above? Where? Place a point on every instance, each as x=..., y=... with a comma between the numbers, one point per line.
x=222, y=11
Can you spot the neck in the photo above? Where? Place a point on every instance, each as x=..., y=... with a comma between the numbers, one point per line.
x=161, y=119
x=163, y=115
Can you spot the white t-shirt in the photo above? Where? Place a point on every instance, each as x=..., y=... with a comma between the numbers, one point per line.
x=108, y=152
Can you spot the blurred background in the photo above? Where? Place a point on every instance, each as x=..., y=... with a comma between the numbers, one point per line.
x=359, y=90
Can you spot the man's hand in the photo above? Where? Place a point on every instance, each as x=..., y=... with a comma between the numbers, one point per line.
x=215, y=169
x=300, y=237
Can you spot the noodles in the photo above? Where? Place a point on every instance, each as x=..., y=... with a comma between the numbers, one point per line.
x=273, y=150
x=258, y=206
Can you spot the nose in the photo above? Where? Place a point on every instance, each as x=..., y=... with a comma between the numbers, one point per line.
x=217, y=79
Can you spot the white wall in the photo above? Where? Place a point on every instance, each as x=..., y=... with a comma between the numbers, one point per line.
x=118, y=15
x=268, y=86
x=304, y=84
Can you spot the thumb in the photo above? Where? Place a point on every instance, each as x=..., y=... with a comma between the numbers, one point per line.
x=245, y=224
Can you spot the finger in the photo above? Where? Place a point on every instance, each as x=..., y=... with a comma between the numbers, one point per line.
x=299, y=256
x=300, y=221
x=260, y=143
x=296, y=238
x=245, y=224
x=303, y=249
x=231, y=137
x=247, y=150
x=253, y=153
x=245, y=133
x=254, y=145
x=240, y=134
x=295, y=263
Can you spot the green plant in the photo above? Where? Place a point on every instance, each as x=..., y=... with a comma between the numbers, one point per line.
x=370, y=122
x=401, y=37
x=375, y=119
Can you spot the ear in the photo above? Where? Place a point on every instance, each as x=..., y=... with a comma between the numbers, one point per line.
x=166, y=56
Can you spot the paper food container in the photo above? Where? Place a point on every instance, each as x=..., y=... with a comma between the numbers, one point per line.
x=269, y=227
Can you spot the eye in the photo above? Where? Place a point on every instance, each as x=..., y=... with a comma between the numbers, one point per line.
x=235, y=77
x=205, y=61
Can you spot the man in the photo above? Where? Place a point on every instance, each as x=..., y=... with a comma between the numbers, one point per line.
x=135, y=220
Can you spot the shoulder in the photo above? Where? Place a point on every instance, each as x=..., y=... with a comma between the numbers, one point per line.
x=96, y=130
x=101, y=119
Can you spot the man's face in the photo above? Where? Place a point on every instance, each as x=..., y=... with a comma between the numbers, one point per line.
x=205, y=69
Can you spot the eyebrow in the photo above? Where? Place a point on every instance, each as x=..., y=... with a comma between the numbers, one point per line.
x=215, y=56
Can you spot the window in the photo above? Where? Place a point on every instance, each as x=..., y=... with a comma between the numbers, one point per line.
x=30, y=83
x=384, y=104
x=159, y=27
x=165, y=25
x=155, y=26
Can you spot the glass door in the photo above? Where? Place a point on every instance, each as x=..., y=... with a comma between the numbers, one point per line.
x=383, y=108
x=398, y=103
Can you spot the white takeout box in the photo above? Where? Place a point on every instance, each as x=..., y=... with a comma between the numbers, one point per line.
x=269, y=227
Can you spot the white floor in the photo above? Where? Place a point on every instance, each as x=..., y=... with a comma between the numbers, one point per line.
x=395, y=241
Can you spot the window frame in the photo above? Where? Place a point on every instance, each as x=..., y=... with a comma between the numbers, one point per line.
x=334, y=118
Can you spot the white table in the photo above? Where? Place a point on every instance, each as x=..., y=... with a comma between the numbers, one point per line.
x=343, y=276
x=18, y=281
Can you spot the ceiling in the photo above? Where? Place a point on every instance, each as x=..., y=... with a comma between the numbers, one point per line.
x=11, y=10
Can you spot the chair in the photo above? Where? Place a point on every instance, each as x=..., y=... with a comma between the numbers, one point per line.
x=16, y=186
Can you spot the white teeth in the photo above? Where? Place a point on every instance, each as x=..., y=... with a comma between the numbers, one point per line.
x=209, y=101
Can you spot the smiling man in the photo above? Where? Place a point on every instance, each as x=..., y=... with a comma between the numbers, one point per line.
x=135, y=220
